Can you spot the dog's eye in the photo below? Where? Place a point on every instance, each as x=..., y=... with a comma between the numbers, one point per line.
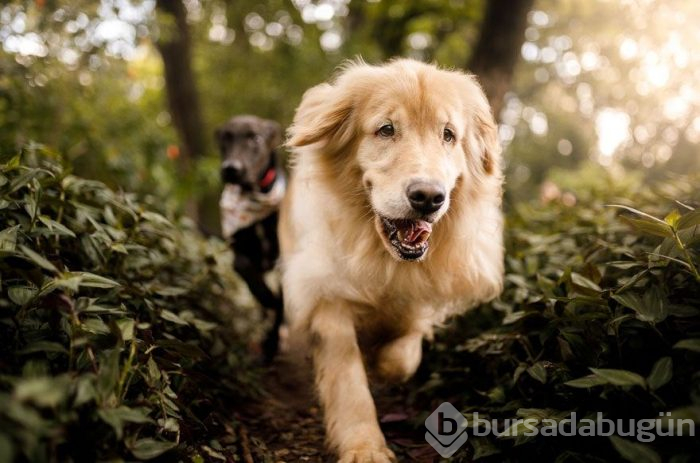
x=387, y=130
x=448, y=135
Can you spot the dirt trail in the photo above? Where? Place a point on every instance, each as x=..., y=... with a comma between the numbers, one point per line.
x=287, y=425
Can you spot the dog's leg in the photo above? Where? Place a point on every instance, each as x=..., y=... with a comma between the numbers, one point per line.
x=398, y=360
x=268, y=300
x=271, y=344
x=351, y=419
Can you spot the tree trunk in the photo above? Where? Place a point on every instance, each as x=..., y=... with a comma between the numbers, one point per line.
x=497, y=51
x=183, y=101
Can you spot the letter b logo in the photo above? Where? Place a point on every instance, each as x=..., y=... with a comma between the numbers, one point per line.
x=446, y=426
x=447, y=429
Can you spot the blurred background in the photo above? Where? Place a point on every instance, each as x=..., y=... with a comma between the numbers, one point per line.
x=130, y=92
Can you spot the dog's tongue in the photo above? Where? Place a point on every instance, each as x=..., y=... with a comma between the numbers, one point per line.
x=414, y=232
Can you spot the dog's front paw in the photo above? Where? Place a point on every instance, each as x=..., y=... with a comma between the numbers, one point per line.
x=368, y=455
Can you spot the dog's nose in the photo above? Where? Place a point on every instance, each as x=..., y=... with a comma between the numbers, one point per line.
x=232, y=171
x=425, y=197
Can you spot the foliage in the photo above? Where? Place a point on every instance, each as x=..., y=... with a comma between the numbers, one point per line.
x=106, y=306
x=601, y=313
x=588, y=88
x=86, y=79
x=116, y=324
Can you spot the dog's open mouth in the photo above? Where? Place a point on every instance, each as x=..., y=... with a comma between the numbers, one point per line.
x=409, y=237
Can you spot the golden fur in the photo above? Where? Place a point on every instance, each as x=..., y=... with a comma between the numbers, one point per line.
x=345, y=289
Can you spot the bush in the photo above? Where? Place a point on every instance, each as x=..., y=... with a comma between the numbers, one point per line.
x=122, y=329
x=121, y=335
x=601, y=313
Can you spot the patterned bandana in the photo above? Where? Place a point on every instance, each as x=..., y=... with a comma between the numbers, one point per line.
x=241, y=209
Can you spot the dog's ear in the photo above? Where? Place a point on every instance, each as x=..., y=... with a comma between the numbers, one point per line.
x=482, y=130
x=323, y=116
x=273, y=133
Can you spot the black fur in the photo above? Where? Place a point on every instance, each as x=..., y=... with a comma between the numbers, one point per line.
x=248, y=143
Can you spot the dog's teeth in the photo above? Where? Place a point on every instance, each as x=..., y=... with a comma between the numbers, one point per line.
x=401, y=235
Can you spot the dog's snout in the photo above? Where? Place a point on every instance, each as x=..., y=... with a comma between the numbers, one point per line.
x=425, y=197
x=232, y=171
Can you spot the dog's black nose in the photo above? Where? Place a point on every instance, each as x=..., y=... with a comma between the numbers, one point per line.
x=232, y=172
x=425, y=197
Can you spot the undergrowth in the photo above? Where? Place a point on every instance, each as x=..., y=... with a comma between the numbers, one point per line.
x=600, y=313
x=121, y=336
x=124, y=335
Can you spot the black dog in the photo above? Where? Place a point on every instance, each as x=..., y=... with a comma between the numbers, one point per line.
x=254, y=184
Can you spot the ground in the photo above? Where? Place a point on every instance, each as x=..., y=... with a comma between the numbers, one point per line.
x=286, y=425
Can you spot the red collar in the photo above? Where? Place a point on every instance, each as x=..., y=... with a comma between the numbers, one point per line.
x=268, y=178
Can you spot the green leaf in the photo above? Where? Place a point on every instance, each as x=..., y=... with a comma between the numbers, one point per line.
x=688, y=220
x=56, y=227
x=21, y=295
x=654, y=305
x=630, y=300
x=587, y=382
x=38, y=259
x=44, y=391
x=683, y=311
x=12, y=164
x=690, y=236
x=202, y=325
x=172, y=317
x=8, y=238
x=172, y=291
x=638, y=212
x=118, y=417
x=652, y=228
x=515, y=316
x=650, y=308
x=90, y=280
x=32, y=198
x=84, y=390
x=68, y=282
x=146, y=449
x=661, y=373
x=624, y=264
x=120, y=248
x=43, y=346
x=155, y=218
x=153, y=372
x=631, y=282
x=619, y=377
x=672, y=218
x=538, y=372
x=635, y=452
x=126, y=328
x=584, y=282
x=688, y=344
x=95, y=325
x=108, y=374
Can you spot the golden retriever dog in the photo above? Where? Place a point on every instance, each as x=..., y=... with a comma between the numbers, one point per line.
x=392, y=222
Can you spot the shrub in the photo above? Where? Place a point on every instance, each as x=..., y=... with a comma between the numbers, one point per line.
x=601, y=313
x=121, y=335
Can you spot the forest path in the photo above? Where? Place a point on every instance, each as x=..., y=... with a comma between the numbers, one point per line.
x=286, y=425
